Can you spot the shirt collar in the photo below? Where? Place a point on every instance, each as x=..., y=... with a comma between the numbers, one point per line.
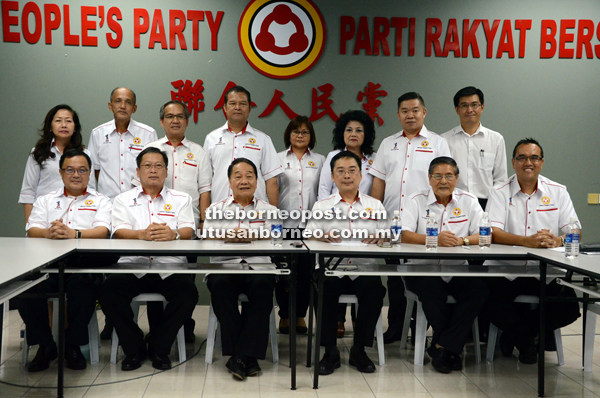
x=114, y=127
x=431, y=199
x=162, y=192
x=183, y=142
x=289, y=151
x=338, y=198
x=66, y=195
x=515, y=187
x=424, y=133
x=364, y=158
x=480, y=129
x=243, y=130
x=230, y=200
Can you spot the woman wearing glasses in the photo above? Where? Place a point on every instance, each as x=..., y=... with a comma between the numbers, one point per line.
x=60, y=132
x=298, y=187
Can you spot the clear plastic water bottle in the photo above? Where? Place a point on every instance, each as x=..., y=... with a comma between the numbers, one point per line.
x=572, y=239
x=431, y=240
x=485, y=232
x=277, y=232
x=396, y=229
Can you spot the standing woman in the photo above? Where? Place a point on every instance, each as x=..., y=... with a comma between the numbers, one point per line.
x=354, y=131
x=297, y=191
x=61, y=131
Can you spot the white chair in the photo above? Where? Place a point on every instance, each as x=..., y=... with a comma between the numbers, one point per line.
x=93, y=335
x=494, y=333
x=135, y=306
x=213, y=336
x=590, y=333
x=421, y=328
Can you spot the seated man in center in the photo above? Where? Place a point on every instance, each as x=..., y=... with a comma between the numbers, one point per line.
x=458, y=215
x=346, y=175
x=244, y=336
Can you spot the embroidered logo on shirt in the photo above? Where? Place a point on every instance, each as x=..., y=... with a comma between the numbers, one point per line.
x=137, y=141
x=190, y=156
x=106, y=136
x=135, y=203
x=425, y=144
x=456, y=211
x=167, y=207
x=311, y=163
x=288, y=165
x=546, y=200
x=370, y=162
x=89, y=202
x=252, y=141
x=220, y=141
x=395, y=148
x=58, y=205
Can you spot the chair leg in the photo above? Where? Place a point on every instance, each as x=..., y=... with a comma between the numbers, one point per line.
x=114, y=346
x=25, y=353
x=181, y=345
x=476, y=341
x=590, y=331
x=380, y=344
x=491, y=343
x=407, y=315
x=560, y=355
x=420, y=335
x=273, y=334
x=211, y=333
x=94, y=338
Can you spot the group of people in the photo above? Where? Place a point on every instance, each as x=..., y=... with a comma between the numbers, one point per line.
x=161, y=189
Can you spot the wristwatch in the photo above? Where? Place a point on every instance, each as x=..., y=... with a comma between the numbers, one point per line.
x=177, y=236
x=466, y=241
x=77, y=234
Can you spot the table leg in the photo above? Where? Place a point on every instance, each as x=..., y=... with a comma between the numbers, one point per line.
x=61, y=327
x=321, y=280
x=293, y=299
x=1, y=327
x=311, y=308
x=542, y=333
x=586, y=298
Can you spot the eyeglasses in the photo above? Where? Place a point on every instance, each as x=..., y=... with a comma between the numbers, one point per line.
x=297, y=133
x=448, y=177
x=71, y=171
x=342, y=172
x=523, y=158
x=171, y=117
x=148, y=166
x=472, y=105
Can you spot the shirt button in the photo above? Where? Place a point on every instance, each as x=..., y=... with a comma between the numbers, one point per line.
x=175, y=176
x=121, y=169
x=175, y=164
x=407, y=156
x=444, y=224
x=69, y=222
x=528, y=227
x=403, y=182
x=405, y=168
x=299, y=180
x=150, y=201
x=71, y=210
x=121, y=154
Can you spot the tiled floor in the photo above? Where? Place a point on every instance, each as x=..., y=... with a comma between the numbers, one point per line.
x=505, y=377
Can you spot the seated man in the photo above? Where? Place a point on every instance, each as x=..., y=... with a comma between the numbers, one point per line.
x=346, y=175
x=458, y=214
x=528, y=210
x=244, y=336
x=62, y=215
x=151, y=212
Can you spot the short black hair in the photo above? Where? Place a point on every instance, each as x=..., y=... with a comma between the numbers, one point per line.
x=241, y=160
x=467, y=92
x=116, y=88
x=526, y=141
x=71, y=153
x=238, y=89
x=354, y=116
x=443, y=160
x=295, y=123
x=161, y=112
x=345, y=155
x=411, y=95
x=151, y=149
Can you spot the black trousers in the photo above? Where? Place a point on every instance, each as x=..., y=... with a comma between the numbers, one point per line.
x=245, y=333
x=116, y=294
x=81, y=291
x=451, y=323
x=518, y=319
x=306, y=263
x=397, y=300
x=369, y=291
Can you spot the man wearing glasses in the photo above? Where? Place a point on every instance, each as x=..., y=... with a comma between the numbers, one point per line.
x=528, y=210
x=479, y=151
x=73, y=212
x=458, y=214
x=151, y=212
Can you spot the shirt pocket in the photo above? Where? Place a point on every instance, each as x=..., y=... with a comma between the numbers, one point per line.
x=422, y=158
x=486, y=161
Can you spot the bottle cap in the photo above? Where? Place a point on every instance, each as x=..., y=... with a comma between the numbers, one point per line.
x=573, y=220
x=485, y=214
x=396, y=213
x=431, y=214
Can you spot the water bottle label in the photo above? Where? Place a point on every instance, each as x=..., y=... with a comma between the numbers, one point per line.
x=485, y=231
x=572, y=238
x=432, y=232
x=276, y=228
x=396, y=229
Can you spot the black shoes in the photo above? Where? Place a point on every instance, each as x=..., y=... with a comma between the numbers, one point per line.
x=106, y=333
x=133, y=362
x=42, y=358
x=74, y=358
x=441, y=359
x=329, y=363
x=392, y=334
x=506, y=345
x=360, y=360
x=252, y=367
x=160, y=362
x=455, y=362
x=237, y=368
x=528, y=353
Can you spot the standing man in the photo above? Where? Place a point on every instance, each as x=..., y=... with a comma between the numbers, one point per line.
x=244, y=335
x=73, y=212
x=346, y=175
x=479, y=151
x=116, y=144
x=401, y=169
x=532, y=211
x=151, y=212
x=458, y=215
x=237, y=139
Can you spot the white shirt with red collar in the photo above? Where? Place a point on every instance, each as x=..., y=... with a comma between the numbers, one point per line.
x=299, y=183
x=135, y=210
x=481, y=159
x=364, y=204
x=188, y=171
x=513, y=211
x=38, y=181
x=114, y=154
x=221, y=224
x=87, y=211
x=326, y=185
x=404, y=164
x=462, y=216
x=224, y=146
